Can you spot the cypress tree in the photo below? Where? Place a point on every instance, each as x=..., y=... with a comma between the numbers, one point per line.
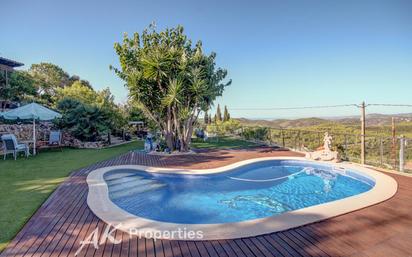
x=226, y=115
x=218, y=113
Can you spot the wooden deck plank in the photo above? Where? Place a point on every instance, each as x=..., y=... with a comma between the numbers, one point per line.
x=210, y=249
x=238, y=252
x=275, y=244
x=141, y=247
x=64, y=219
x=158, y=248
x=150, y=248
x=29, y=234
x=51, y=228
x=275, y=237
x=167, y=248
x=219, y=249
x=56, y=247
x=202, y=249
x=256, y=244
x=244, y=247
x=227, y=248
x=311, y=250
x=176, y=249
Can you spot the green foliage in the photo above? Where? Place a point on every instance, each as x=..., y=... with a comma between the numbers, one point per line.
x=224, y=142
x=169, y=80
x=85, y=122
x=226, y=115
x=20, y=87
x=206, y=118
x=218, y=114
x=230, y=127
x=103, y=100
x=48, y=78
x=75, y=78
x=256, y=133
x=77, y=91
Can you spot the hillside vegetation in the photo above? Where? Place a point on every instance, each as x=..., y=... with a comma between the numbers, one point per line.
x=378, y=125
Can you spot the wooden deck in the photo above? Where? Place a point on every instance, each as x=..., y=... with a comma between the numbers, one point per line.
x=57, y=228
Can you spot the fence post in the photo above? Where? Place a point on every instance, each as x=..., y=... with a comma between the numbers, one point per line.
x=363, y=130
x=393, y=143
x=381, y=151
x=270, y=137
x=401, y=153
x=346, y=146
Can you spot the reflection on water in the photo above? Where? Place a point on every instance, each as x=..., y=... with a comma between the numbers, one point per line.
x=264, y=201
x=328, y=177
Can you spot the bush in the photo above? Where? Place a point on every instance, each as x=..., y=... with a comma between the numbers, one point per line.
x=230, y=127
x=84, y=122
x=257, y=133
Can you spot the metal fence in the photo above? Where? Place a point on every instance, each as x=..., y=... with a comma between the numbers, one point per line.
x=383, y=152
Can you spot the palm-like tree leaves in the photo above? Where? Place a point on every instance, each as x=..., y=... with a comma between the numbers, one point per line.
x=170, y=80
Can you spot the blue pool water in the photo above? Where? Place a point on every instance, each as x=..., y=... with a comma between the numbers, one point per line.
x=249, y=192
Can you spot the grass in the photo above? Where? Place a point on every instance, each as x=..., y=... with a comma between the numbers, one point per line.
x=221, y=143
x=26, y=183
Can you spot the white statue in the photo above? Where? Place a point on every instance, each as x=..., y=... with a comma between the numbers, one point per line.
x=327, y=142
x=326, y=154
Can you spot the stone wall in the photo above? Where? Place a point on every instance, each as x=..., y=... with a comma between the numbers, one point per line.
x=25, y=132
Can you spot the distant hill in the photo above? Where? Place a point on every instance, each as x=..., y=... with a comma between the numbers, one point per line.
x=284, y=123
x=373, y=119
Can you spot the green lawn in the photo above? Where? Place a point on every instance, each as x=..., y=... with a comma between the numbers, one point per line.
x=222, y=142
x=26, y=183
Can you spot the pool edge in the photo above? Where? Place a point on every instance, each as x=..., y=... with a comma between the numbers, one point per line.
x=99, y=202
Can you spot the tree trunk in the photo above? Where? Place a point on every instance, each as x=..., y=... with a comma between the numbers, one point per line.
x=169, y=140
x=169, y=131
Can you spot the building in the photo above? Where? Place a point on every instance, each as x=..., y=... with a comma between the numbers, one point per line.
x=6, y=67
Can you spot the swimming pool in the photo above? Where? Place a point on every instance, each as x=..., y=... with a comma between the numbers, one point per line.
x=252, y=193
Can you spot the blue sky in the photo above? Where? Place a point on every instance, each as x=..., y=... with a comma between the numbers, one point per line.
x=278, y=53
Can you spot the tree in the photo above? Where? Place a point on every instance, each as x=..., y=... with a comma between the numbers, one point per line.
x=218, y=114
x=77, y=91
x=20, y=87
x=85, y=122
x=206, y=118
x=48, y=78
x=170, y=80
x=226, y=115
x=75, y=78
x=103, y=100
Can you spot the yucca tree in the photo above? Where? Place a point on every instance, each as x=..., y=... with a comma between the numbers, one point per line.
x=170, y=80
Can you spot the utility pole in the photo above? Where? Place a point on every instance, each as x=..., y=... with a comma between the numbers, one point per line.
x=393, y=143
x=363, y=132
x=402, y=153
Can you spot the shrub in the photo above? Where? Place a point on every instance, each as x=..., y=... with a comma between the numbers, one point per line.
x=84, y=122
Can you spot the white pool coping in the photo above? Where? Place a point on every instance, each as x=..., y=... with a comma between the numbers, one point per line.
x=101, y=205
